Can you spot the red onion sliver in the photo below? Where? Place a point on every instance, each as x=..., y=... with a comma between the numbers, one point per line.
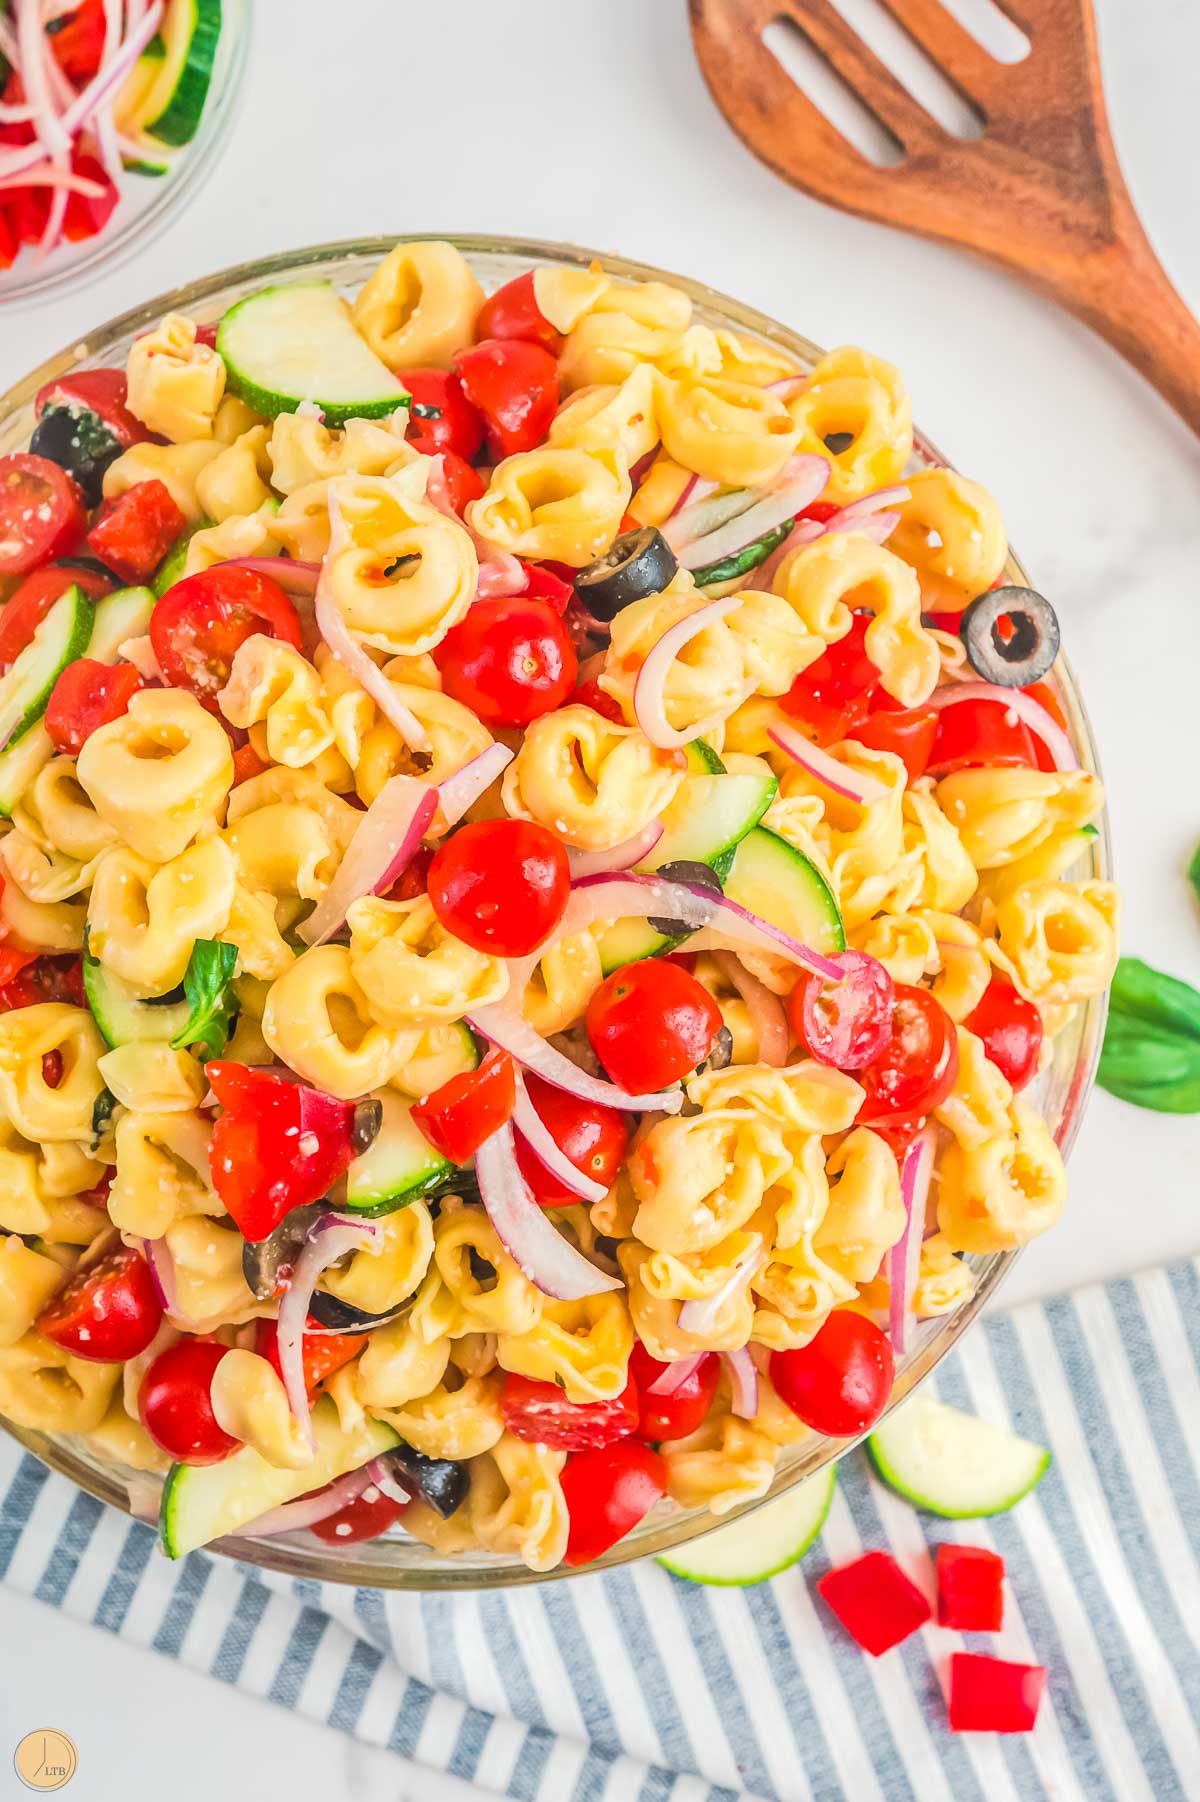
x=701, y=1316
x=621, y=857
x=506, y=1026
x=291, y=1517
x=544, y=1146
x=878, y=527
x=464, y=787
x=1030, y=712
x=384, y=841
x=851, y=517
x=850, y=784
x=743, y=1383
x=904, y=1259
x=768, y=1019
x=550, y=1262
x=383, y=1479
x=296, y=578
x=162, y=1274
x=695, y=490
x=806, y=477
x=648, y=690
x=327, y=1242
x=108, y=78
x=676, y=1374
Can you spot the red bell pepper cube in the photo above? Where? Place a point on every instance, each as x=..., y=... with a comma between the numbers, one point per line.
x=989, y=1695
x=970, y=1582
x=135, y=531
x=875, y=1602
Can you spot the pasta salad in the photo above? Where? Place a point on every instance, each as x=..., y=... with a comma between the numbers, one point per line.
x=534, y=890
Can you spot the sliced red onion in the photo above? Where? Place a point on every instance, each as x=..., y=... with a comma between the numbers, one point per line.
x=701, y=1317
x=648, y=691
x=768, y=1018
x=337, y=636
x=676, y=1374
x=506, y=1026
x=621, y=857
x=850, y=518
x=786, y=383
x=295, y=577
x=162, y=1274
x=641, y=469
x=716, y=509
x=878, y=527
x=291, y=1517
x=329, y=1240
x=109, y=76
x=850, y=784
x=383, y=1480
x=808, y=476
x=743, y=1383
x=500, y=575
x=464, y=787
x=34, y=53
x=544, y=1146
x=695, y=490
x=550, y=1262
x=54, y=175
x=1030, y=712
x=384, y=841
x=904, y=1259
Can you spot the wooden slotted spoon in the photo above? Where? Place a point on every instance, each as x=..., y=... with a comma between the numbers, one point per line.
x=1040, y=191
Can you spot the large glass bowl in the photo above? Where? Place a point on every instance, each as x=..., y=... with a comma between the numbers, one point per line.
x=397, y=1562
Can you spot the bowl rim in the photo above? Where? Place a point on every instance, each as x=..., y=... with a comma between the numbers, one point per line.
x=462, y=1572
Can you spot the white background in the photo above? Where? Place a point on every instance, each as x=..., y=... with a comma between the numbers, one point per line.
x=587, y=120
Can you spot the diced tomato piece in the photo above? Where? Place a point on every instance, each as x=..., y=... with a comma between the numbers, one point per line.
x=469, y=1108
x=970, y=1581
x=247, y=763
x=981, y=735
x=135, y=532
x=590, y=694
x=461, y=483
x=544, y=584
x=875, y=1602
x=514, y=386
x=833, y=695
x=12, y=962
x=540, y=1412
x=277, y=1146
x=990, y=1695
x=323, y=1352
x=88, y=694
x=45, y=979
x=908, y=733
x=8, y=240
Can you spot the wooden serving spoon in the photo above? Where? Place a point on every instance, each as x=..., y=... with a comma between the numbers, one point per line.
x=1039, y=192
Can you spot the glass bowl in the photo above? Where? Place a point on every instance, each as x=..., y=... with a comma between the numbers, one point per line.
x=148, y=203
x=398, y=1562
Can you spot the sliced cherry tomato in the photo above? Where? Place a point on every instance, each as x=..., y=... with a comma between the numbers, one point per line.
x=1012, y=1031
x=45, y=979
x=247, y=763
x=908, y=733
x=848, y=1023
x=508, y=660
x=277, y=1146
x=87, y=215
x=821, y=511
x=500, y=885
x=175, y=1403
x=650, y=1023
x=451, y=423
x=981, y=735
x=198, y=625
x=88, y=694
x=608, y=1491
x=541, y=1412
x=590, y=694
x=545, y=584
x=41, y=512
x=323, y=1352
x=1045, y=695
x=594, y=1138
x=674, y=1416
x=366, y=1517
x=514, y=385
x=108, y=1311
x=917, y=1069
x=77, y=41
x=460, y=483
x=513, y=312
x=839, y=1383
x=135, y=532
x=833, y=694
x=104, y=392
x=29, y=604
x=469, y=1108
x=897, y=1135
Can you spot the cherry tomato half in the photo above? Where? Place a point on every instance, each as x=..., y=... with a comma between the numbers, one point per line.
x=540, y=1412
x=104, y=392
x=848, y=1023
x=650, y=1023
x=514, y=385
x=674, y=1416
x=500, y=885
x=1012, y=1031
x=175, y=1403
x=469, y=1108
x=41, y=512
x=460, y=483
x=108, y=1311
x=366, y=1517
x=198, y=625
x=134, y=533
x=917, y=1069
x=839, y=1383
x=513, y=312
x=88, y=694
x=277, y=1145
x=508, y=660
x=29, y=604
x=608, y=1491
x=451, y=422
x=832, y=695
x=594, y=1138
x=590, y=694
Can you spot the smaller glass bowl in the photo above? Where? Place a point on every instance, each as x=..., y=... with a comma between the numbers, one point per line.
x=148, y=203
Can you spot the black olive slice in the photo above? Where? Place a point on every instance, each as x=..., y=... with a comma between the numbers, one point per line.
x=264, y=1261
x=80, y=443
x=441, y=1482
x=1017, y=653
x=339, y=1316
x=368, y=1118
x=636, y=564
x=699, y=875
x=721, y=1053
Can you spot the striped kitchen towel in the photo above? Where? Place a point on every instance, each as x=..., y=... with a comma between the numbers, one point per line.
x=636, y=1687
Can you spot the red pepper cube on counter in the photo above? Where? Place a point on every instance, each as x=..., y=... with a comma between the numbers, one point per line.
x=875, y=1602
x=970, y=1582
x=989, y=1695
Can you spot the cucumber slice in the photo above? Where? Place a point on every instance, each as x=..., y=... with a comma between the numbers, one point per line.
x=399, y=1166
x=62, y=637
x=20, y=763
x=122, y=1017
x=785, y=888
x=704, y=824
x=174, y=100
x=297, y=342
x=171, y=569
x=749, y=1551
x=950, y=1463
x=748, y=558
x=204, y=1502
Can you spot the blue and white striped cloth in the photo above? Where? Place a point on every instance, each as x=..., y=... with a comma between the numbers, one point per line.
x=637, y=1686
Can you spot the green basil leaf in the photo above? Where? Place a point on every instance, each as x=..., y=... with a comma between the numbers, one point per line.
x=1151, y=1054
x=1140, y=992
x=207, y=985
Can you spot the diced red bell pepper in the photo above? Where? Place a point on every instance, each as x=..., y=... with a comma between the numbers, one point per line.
x=469, y=1108
x=86, y=215
x=970, y=1583
x=875, y=1602
x=278, y=1145
x=833, y=695
x=323, y=1352
x=135, y=532
x=88, y=694
x=990, y=1695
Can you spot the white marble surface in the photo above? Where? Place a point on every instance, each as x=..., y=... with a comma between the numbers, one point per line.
x=588, y=121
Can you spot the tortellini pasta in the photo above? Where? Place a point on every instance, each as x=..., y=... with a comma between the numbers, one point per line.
x=558, y=502
x=594, y=783
x=318, y=1020
x=158, y=773
x=419, y=307
x=855, y=395
x=826, y=581
x=175, y=383
x=400, y=573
